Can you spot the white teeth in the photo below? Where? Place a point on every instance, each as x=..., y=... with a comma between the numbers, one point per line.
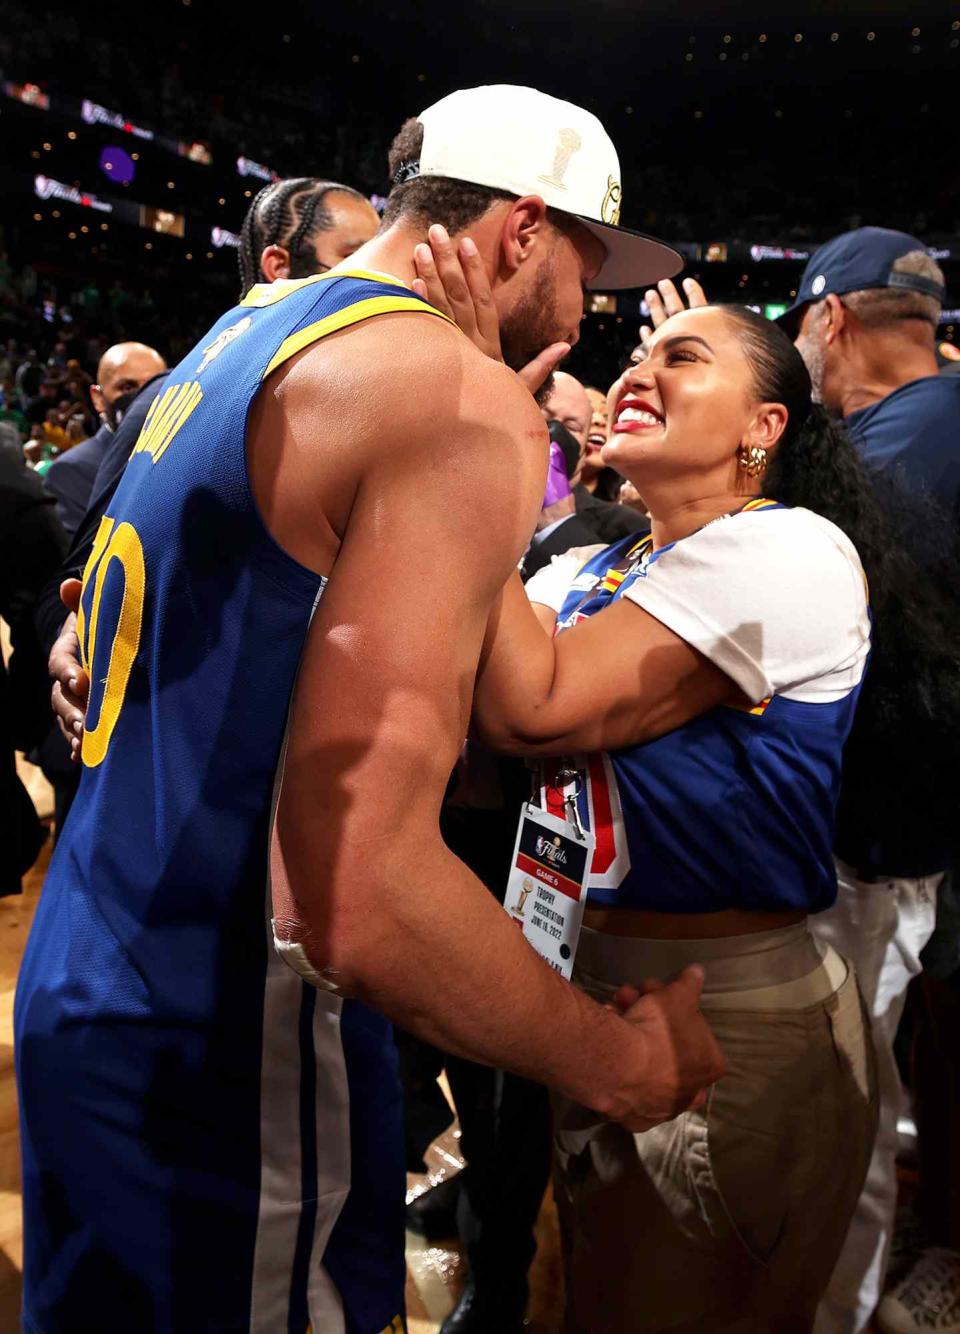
x=639, y=415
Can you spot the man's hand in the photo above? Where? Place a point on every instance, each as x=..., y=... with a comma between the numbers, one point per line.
x=71, y=685
x=683, y=1056
x=454, y=281
x=664, y=300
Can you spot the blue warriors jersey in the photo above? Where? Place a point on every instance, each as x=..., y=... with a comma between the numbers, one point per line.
x=734, y=809
x=208, y=1142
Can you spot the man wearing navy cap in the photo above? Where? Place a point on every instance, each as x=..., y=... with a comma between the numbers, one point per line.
x=865, y=321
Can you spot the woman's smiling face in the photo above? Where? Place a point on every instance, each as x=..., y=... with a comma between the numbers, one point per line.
x=685, y=408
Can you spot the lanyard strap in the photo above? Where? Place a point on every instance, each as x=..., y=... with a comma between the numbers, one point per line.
x=618, y=574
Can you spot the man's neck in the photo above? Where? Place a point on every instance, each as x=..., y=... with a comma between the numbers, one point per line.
x=884, y=364
x=389, y=253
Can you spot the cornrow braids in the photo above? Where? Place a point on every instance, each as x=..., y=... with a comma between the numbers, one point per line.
x=288, y=213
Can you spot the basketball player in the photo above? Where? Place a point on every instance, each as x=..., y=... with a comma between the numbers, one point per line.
x=278, y=624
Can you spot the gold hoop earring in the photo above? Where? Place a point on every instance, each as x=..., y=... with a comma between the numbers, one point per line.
x=753, y=460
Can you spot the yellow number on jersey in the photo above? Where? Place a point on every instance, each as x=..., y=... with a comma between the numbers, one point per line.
x=111, y=661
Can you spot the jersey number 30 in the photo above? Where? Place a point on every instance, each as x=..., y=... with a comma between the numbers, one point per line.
x=109, y=629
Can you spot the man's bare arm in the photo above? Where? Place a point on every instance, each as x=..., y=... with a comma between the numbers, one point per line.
x=361, y=875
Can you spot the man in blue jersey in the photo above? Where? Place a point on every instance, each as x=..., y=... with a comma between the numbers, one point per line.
x=281, y=671
x=293, y=229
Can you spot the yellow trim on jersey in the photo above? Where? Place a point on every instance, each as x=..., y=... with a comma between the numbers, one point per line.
x=342, y=319
x=268, y=294
x=759, y=503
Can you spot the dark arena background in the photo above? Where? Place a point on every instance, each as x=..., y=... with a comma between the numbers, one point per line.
x=133, y=139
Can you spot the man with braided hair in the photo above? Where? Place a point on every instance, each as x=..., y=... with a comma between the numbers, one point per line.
x=252, y=881
x=298, y=227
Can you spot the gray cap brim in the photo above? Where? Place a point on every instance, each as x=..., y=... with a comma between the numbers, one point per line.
x=633, y=260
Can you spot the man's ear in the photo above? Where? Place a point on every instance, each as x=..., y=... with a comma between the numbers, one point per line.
x=834, y=318
x=97, y=399
x=523, y=229
x=768, y=425
x=275, y=263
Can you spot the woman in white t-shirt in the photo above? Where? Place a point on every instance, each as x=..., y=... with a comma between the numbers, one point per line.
x=691, y=694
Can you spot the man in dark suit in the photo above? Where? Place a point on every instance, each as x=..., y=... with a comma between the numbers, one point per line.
x=123, y=371
x=31, y=545
x=578, y=519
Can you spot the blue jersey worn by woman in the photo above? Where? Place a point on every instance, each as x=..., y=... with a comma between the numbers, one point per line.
x=735, y=809
x=208, y=1143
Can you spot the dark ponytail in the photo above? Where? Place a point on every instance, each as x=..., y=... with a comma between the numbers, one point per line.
x=901, y=784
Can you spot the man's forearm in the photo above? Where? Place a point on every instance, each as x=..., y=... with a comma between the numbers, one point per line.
x=517, y=669
x=437, y=955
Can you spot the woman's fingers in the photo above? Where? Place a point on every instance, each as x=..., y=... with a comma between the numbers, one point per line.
x=658, y=312
x=664, y=300
x=695, y=294
x=70, y=590
x=69, y=709
x=444, y=285
x=449, y=270
x=453, y=279
x=427, y=283
x=488, y=321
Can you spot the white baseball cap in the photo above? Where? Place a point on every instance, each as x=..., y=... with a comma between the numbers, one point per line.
x=528, y=143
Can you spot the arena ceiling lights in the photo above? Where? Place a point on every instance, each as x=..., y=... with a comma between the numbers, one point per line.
x=93, y=114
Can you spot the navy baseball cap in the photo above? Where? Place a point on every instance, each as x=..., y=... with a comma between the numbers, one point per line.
x=854, y=262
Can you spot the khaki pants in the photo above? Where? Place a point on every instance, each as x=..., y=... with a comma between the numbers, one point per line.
x=727, y=1220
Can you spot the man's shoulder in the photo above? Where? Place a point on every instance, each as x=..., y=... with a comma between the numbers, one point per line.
x=929, y=404
x=419, y=366
x=912, y=435
x=86, y=455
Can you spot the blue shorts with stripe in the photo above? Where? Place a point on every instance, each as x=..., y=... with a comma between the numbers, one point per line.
x=188, y=1179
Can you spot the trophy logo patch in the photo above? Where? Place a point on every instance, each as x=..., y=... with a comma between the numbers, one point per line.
x=568, y=143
